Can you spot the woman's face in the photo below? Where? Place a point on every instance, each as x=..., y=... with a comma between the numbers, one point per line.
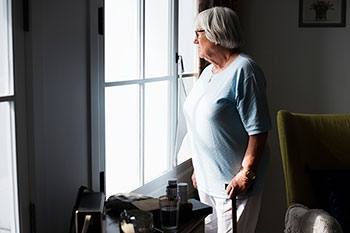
x=205, y=46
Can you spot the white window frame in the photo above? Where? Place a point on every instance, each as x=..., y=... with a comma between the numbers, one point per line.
x=181, y=171
x=20, y=162
x=11, y=100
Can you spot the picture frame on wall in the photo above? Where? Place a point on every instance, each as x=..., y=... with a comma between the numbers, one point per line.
x=322, y=13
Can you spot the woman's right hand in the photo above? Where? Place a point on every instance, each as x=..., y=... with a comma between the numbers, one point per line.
x=194, y=182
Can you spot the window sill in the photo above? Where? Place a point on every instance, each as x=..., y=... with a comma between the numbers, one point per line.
x=156, y=188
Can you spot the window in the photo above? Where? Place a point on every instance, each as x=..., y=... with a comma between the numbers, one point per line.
x=140, y=90
x=8, y=177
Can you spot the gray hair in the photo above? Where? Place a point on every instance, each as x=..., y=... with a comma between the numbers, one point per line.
x=221, y=25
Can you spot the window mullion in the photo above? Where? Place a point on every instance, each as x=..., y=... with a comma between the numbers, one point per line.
x=142, y=132
x=173, y=34
x=7, y=98
x=137, y=81
x=141, y=31
x=15, y=213
x=170, y=98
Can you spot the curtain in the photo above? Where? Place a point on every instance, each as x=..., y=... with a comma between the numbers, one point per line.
x=205, y=4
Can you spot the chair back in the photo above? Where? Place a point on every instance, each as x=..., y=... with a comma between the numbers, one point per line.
x=311, y=142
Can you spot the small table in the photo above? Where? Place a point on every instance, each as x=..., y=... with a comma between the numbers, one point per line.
x=191, y=223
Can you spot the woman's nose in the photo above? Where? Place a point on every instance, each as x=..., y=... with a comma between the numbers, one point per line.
x=195, y=41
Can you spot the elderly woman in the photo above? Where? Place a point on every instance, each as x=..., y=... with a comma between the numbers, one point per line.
x=227, y=119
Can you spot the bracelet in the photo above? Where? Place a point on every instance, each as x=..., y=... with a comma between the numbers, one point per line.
x=249, y=174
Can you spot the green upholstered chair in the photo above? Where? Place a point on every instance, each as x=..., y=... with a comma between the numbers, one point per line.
x=311, y=142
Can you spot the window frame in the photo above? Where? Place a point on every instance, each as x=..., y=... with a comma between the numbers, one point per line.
x=18, y=101
x=182, y=171
x=143, y=80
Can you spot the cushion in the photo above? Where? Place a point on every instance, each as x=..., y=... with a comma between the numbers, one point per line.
x=332, y=189
x=301, y=219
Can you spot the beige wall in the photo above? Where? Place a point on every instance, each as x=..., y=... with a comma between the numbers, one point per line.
x=308, y=71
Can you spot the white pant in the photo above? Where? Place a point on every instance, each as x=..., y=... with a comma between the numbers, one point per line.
x=220, y=221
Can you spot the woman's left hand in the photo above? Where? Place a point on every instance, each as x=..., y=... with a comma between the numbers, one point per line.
x=238, y=185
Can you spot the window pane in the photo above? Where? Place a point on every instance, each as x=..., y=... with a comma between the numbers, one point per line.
x=185, y=151
x=8, y=191
x=157, y=38
x=187, y=14
x=156, y=128
x=121, y=40
x=122, y=138
x=6, y=78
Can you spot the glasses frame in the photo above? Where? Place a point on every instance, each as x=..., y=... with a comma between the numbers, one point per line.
x=196, y=32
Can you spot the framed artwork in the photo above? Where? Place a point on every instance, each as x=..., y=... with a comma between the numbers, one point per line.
x=324, y=13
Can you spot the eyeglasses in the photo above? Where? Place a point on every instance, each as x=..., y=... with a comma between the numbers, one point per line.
x=196, y=32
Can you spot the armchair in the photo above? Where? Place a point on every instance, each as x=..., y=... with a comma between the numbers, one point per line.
x=314, y=144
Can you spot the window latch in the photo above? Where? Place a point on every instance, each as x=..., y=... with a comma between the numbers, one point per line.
x=101, y=21
x=180, y=59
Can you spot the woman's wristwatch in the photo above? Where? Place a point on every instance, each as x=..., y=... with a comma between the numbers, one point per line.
x=248, y=173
